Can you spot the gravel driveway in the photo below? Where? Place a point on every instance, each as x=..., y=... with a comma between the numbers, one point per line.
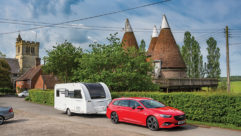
x=38, y=120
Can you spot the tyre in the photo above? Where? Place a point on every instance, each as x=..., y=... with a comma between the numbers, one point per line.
x=69, y=113
x=152, y=123
x=1, y=120
x=114, y=118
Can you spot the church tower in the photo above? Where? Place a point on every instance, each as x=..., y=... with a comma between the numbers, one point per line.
x=27, y=54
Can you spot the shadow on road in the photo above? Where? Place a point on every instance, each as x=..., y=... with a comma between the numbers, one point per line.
x=15, y=121
x=88, y=115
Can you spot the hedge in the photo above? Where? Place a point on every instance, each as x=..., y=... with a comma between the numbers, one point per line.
x=7, y=91
x=42, y=96
x=205, y=107
x=216, y=108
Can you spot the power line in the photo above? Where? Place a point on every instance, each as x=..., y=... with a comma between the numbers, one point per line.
x=91, y=17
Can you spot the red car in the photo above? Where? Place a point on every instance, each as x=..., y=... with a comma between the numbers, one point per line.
x=146, y=112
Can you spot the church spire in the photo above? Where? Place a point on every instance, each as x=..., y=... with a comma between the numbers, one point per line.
x=19, y=38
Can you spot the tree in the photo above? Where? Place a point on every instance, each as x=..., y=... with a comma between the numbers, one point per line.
x=5, y=80
x=213, y=65
x=2, y=55
x=143, y=45
x=61, y=60
x=192, y=56
x=121, y=70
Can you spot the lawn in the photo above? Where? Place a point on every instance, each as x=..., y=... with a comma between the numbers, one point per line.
x=236, y=86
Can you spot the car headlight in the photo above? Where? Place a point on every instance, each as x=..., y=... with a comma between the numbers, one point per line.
x=165, y=116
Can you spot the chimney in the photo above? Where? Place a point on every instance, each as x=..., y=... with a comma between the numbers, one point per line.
x=37, y=61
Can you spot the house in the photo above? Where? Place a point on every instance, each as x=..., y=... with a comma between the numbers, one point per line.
x=33, y=79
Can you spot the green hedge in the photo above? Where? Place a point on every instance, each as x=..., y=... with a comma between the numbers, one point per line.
x=42, y=96
x=7, y=91
x=205, y=107
x=214, y=107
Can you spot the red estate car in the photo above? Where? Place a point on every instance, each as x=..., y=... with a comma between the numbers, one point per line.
x=146, y=112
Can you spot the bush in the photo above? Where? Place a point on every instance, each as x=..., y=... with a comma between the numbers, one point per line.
x=215, y=108
x=7, y=91
x=42, y=96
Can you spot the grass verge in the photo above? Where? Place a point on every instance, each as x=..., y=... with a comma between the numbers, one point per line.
x=219, y=125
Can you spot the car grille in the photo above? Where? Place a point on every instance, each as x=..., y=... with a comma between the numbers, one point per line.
x=180, y=117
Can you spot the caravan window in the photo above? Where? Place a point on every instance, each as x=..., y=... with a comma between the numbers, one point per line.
x=77, y=94
x=96, y=91
x=57, y=93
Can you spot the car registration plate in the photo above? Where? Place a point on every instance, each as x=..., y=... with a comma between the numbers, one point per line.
x=181, y=122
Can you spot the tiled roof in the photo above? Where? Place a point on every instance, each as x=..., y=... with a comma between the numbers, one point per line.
x=50, y=81
x=152, y=45
x=129, y=40
x=30, y=73
x=167, y=51
x=13, y=63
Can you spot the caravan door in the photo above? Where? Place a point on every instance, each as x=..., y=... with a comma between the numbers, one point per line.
x=77, y=101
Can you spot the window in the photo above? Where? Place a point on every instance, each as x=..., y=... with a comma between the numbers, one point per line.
x=116, y=102
x=57, y=93
x=152, y=104
x=32, y=50
x=18, y=49
x=27, y=50
x=66, y=93
x=124, y=103
x=96, y=91
x=77, y=94
x=134, y=104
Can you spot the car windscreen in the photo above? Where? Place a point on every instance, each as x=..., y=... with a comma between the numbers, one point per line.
x=96, y=90
x=152, y=104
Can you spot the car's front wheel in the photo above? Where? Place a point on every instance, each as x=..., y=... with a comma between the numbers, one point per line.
x=152, y=123
x=114, y=117
x=1, y=120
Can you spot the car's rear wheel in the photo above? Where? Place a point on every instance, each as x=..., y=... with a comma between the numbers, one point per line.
x=69, y=113
x=114, y=117
x=1, y=120
x=152, y=123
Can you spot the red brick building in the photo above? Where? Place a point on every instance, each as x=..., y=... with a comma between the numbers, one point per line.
x=33, y=79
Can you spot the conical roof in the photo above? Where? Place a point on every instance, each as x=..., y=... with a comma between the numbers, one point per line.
x=129, y=39
x=166, y=49
x=153, y=40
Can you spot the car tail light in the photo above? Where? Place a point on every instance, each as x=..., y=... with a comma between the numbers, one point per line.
x=11, y=110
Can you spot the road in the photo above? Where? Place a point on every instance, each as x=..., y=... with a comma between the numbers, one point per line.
x=37, y=120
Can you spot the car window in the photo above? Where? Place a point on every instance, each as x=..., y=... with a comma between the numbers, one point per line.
x=77, y=94
x=152, y=104
x=116, y=102
x=134, y=104
x=124, y=103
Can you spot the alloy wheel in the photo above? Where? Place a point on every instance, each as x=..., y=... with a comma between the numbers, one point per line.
x=114, y=117
x=152, y=123
x=1, y=120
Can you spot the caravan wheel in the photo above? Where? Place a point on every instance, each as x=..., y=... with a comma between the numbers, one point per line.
x=69, y=112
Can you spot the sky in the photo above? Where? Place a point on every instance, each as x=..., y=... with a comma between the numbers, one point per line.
x=203, y=18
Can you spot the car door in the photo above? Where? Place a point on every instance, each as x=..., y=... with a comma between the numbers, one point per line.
x=135, y=115
x=123, y=109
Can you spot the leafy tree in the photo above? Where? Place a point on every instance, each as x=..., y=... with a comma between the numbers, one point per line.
x=192, y=56
x=5, y=80
x=143, y=45
x=213, y=65
x=61, y=60
x=2, y=55
x=121, y=70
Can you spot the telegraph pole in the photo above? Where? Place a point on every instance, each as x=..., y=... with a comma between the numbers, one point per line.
x=227, y=59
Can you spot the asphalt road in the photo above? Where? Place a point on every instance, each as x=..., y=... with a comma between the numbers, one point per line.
x=38, y=120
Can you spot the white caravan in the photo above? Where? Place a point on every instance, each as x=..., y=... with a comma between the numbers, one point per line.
x=84, y=98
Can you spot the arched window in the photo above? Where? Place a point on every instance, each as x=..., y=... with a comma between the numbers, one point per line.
x=32, y=50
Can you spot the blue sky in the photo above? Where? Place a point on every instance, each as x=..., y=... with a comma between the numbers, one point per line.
x=204, y=18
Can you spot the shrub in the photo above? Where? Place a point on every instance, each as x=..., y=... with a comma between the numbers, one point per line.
x=7, y=91
x=216, y=108
x=42, y=96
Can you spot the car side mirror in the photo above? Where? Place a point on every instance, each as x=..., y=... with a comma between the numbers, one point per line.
x=139, y=108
